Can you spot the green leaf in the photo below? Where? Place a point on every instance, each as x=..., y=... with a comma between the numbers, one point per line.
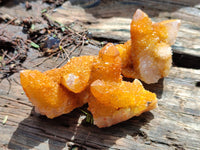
x=62, y=25
x=75, y=148
x=32, y=27
x=63, y=29
x=1, y=58
x=5, y=119
x=89, y=117
x=83, y=111
x=35, y=45
x=44, y=10
x=92, y=120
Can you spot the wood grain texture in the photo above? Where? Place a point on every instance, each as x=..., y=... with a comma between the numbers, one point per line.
x=113, y=19
x=175, y=124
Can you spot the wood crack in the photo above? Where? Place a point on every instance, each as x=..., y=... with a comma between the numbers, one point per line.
x=14, y=100
x=89, y=144
x=186, y=60
x=178, y=146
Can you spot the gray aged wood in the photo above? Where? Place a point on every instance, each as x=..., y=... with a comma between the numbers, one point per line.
x=175, y=124
x=113, y=19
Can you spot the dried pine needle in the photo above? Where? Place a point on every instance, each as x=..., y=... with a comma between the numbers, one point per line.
x=35, y=45
x=5, y=119
x=89, y=117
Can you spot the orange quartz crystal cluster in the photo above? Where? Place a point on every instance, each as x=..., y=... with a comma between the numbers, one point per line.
x=148, y=56
x=97, y=80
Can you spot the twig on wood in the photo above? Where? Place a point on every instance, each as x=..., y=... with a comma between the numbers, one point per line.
x=65, y=58
x=9, y=88
x=69, y=40
x=16, y=81
x=75, y=47
x=62, y=55
x=38, y=64
x=3, y=56
x=57, y=57
x=14, y=100
x=9, y=22
x=14, y=53
x=83, y=42
x=66, y=53
x=12, y=58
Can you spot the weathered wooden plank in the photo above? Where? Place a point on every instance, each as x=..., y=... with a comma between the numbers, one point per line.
x=18, y=10
x=175, y=124
x=72, y=14
x=114, y=24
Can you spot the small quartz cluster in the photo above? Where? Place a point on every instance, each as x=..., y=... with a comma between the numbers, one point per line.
x=148, y=56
